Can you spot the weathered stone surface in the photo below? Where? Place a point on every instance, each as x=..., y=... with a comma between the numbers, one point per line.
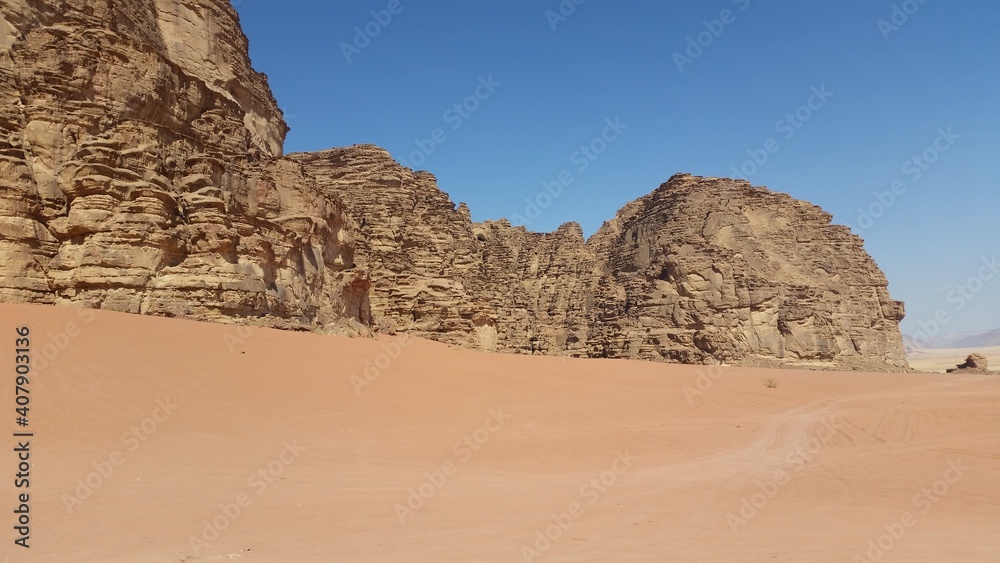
x=439, y=275
x=701, y=270
x=536, y=288
x=708, y=269
x=418, y=248
x=974, y=363
x=141, y=171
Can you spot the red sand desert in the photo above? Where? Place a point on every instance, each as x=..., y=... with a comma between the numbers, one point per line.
x=167, y=440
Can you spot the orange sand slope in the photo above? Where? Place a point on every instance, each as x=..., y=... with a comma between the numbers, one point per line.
x=168, y=440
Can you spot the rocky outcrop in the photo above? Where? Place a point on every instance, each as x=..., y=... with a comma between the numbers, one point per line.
x=701, y=270
x=440, y=276
x=417, y=247
x=974, y=363
x=537, y=288
x=141, y=171
x=707, y=269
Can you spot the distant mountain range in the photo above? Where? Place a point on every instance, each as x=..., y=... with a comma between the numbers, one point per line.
x=980, y=339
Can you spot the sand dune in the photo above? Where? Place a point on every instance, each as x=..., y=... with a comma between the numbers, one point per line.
x=169, y=440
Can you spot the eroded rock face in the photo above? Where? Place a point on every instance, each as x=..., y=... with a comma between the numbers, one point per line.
x=707, y=269
x=141, y=171
x=537, y=287
x=974, y=363
x=418, y=248
x=702, y=270
x=436, y=274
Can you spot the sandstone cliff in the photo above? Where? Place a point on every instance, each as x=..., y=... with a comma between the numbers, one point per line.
x=141, y=170
x=711, y=268
x=702, y=270
x=438, y=275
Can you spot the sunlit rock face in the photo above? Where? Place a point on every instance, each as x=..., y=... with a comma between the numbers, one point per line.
x=141, y=170
x=709, y=269
x=702, y=270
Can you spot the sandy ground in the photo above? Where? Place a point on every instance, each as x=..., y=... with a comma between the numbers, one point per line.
x=942, y=359
x=168, y=440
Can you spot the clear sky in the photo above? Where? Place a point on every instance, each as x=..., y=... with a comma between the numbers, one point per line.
x=603, y=101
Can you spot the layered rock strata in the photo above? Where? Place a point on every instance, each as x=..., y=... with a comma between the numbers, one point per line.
x=701, y=270
x=141, y=170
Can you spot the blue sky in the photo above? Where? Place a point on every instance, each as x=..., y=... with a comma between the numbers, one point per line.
x=814, y=99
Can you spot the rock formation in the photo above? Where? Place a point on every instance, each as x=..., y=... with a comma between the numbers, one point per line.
x=711, y=268
x=701, y=270
x=440, y=276
x=974, y=363
x=141, y=170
